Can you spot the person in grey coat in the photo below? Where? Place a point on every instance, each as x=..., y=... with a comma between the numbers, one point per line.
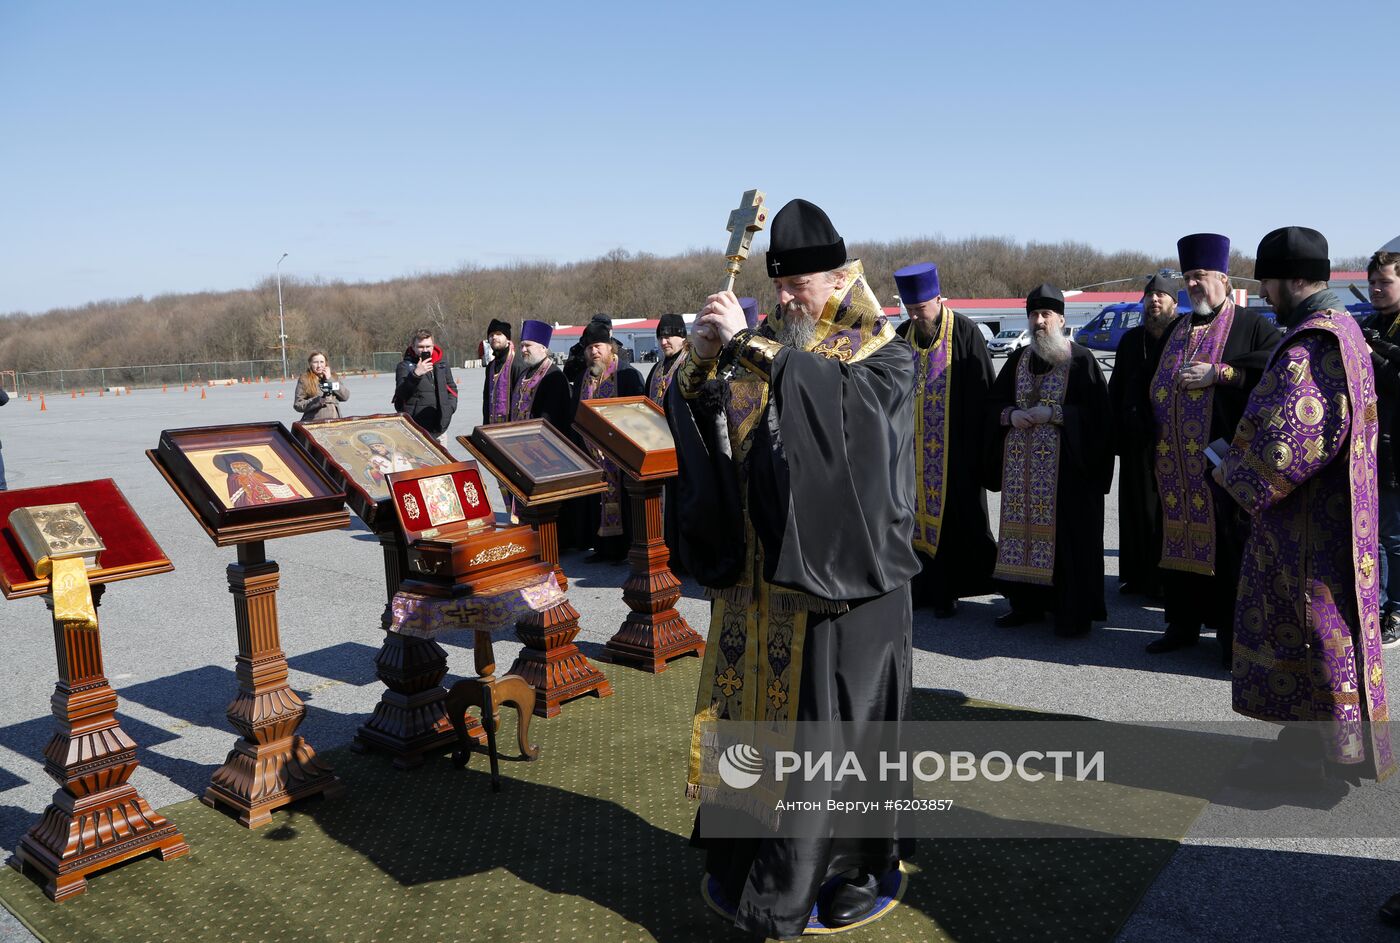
x=319, y=391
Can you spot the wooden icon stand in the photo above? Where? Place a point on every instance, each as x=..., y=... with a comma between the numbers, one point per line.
x=632, y=432
x=410, y=721
x=96, y=819
x=270, y=765
x=542, y=469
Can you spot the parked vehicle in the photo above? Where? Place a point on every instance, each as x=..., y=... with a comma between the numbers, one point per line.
x=987, y=334
x=1008, y=340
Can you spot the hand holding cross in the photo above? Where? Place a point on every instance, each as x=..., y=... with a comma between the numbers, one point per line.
x=749, y=217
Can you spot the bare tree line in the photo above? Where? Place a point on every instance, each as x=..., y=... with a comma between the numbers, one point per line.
x=352, y=320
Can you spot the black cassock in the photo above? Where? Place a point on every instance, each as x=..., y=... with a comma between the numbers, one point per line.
x=966, y=549
x=588, y=511
x=1193, y=600
x=830, y=477
x=1085, y=476
x=1135, y=441
x=671, y=523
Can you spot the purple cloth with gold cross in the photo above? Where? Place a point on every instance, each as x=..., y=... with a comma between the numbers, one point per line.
x=1030, y=479
x=1307, y=634
x=1183, y=432
x=932, y=389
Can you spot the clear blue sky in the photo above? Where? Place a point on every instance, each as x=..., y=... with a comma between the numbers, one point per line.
x=148, y=148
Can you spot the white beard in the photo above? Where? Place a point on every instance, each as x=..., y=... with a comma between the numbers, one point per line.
x=1201, y=308
x=799, y=329
x=532, y=363
x=1051, y=346
x=597, y=369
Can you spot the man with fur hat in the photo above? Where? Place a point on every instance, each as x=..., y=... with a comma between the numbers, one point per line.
x=501, y=373
x=1302, y=465
x=609, y=526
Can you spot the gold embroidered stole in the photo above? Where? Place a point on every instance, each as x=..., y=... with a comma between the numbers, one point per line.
x=752, y=672
x=1030, y=475
x=933, y=389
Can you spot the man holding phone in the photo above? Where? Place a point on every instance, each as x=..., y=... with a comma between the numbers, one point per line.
x=424, y=388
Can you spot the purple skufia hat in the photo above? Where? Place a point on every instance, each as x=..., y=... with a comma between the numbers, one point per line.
x=1203, y=250
x=918, y=283
x=536, y=331
x=750, y=306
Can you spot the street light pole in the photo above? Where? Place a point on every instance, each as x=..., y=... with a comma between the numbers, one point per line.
x=281, y=321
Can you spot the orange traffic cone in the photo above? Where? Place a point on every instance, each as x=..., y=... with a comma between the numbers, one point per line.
x=102, y=392
x=72, y=394
x=30, y=397
x=83, y=392
x=186, y=389
x=163, y=389
x=43, y=406
x=264, y=394
x=203, y=394
x=279, y=394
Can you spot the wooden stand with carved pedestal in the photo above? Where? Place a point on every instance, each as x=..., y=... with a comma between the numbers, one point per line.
x=96, y=819
x=270, y=766
x=550, y=661
x=410, y=719
x=632, y=432
x=654, y=632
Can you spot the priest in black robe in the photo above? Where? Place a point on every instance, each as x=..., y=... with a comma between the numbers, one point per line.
x=1050, y=457
x=952, y=376
x=795, y=452
x=541, y=392
x=1209, y=363
x=671, y=340
x=1135, y=440
x=608, y=517
x=502, y=370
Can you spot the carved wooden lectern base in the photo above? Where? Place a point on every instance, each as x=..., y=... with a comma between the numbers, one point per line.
x=410, y=719
x=550, y=661
x=545, y=519
x=270, y=766
x=654, y=632
x=510, y=690
x=96, y=819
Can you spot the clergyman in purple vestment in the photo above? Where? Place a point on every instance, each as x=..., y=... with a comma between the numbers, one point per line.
x=1307, y=643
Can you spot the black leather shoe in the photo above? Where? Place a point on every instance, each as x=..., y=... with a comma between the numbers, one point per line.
x=1172, y=640
x=1390, y=910
x=946, y=612
x=1009, y=620
x=849, y=902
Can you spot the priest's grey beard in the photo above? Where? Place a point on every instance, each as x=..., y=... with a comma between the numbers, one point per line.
x=1050, y=345
x=533, y=360
x=1201, y=307
x=597, y=367
x=799, y=329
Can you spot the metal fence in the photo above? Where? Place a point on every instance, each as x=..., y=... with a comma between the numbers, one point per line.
x=173, y=374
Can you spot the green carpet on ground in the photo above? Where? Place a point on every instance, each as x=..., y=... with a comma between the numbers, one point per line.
x=590, y=843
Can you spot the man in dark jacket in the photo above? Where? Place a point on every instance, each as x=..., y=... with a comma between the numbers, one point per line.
x=423, y=385
x=1383, y=334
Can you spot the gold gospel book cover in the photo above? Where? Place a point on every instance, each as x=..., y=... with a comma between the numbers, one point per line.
x=56, y=531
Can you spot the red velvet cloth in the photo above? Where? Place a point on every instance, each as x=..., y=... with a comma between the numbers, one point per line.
x=126, y=538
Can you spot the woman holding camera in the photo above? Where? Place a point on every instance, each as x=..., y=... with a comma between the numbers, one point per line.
x=319, y=393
